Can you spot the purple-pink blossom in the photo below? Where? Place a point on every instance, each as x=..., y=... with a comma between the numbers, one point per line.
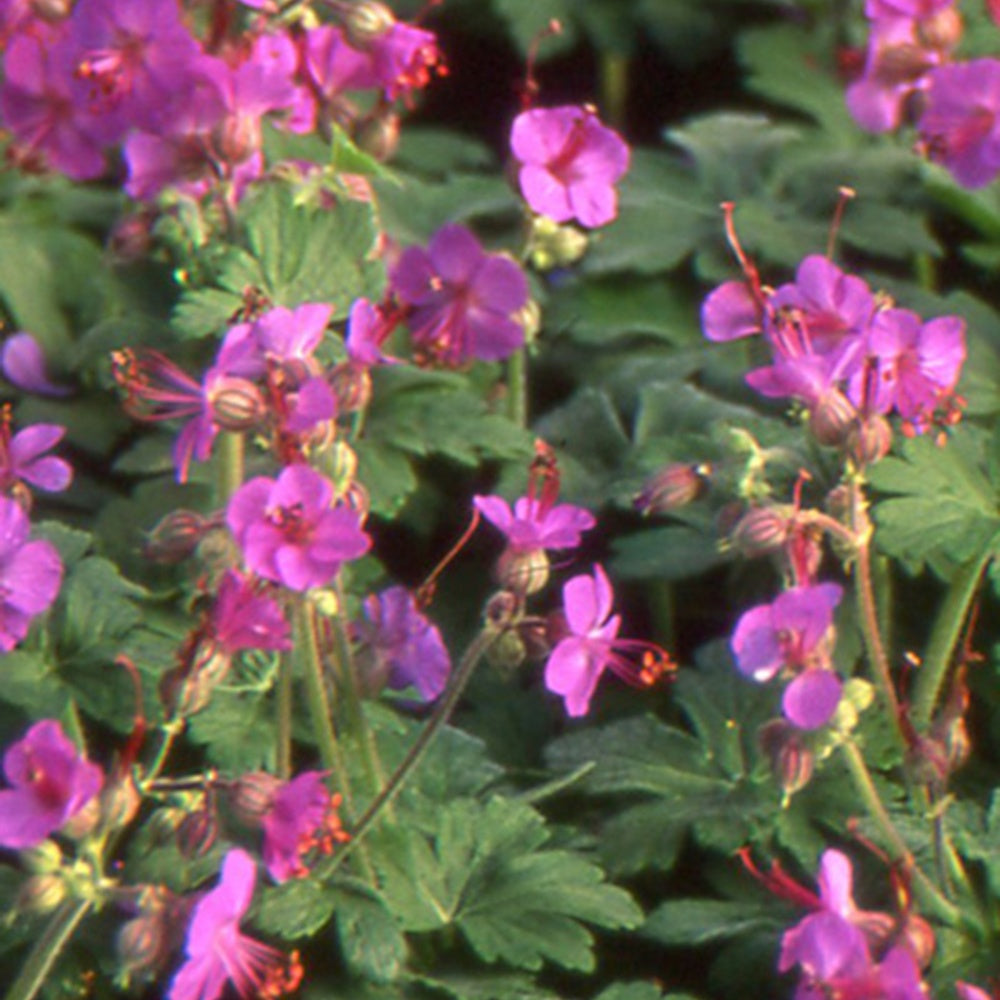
x=960, y=124
x=50, y=782
x=301, y=818
x=218, y=952
x=30, y=575
x=245, y=618
x=589, y=645
x=569, y=164
x=289, y=530
x=23, y=457
x=23, y=363
x=405, y=649
x=462, y=300
x=535, y=522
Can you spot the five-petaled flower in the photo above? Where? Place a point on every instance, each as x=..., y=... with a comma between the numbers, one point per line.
x=570, y=164
x=219, y=952
x=50, y=783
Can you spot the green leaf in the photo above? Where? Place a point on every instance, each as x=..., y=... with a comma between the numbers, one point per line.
x=371, y=940
x=485, y=986
x=697, y=922
x=237, y=728
x=297, y=908
x=941, y=505
x=671, y=553
x=484, y=870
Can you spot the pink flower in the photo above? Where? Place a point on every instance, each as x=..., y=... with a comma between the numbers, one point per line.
x=575, y=665
x=462, y=299
x=244, y=618
x=23, y=458
x=570, y=163
x=50, y=783
x=219, y=952
x=290, y=533
x=30, y=575
x=536, y=524
x=302, y=818
x=23, y=363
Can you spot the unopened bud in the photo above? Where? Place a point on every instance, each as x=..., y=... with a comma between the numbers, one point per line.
x=941, y=31
x=42, y=859
x=674, y=486
x=366, y=22
x=237, y=405
x=762, y=530
x=903, y=63
x=919, y=939
x=82, y=823
x=529, y=318
x=357, y=499
x=251, y=796
x=832, y=418
x=379, y=136
x=119, y=803
x=197, y=833
x=141, y=945
x=860, y=693
x=340, y=463
x=352, y=387
x=41, y=894
x=791, y=760
x=175, y=537
x=507, y=653
x=554, y=245
x=869, y=440
x=524, y=571
x=501, y=609
x=238, y=137
x=217, y=551
x=187, y=689
x=51, y=10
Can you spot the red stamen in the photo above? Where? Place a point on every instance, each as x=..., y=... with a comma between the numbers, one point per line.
x=779, y=883
x=424, y=594
x=530, y=88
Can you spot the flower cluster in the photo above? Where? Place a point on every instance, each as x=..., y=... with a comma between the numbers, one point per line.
x=848, y=355
x=910, y=49
x=186, y=111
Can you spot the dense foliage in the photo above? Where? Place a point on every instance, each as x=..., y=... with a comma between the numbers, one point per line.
x=499, y=501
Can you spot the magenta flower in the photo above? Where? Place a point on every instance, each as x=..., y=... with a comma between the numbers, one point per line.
x=730, y=312
x=50, y=783
x=536, y=524
x=771, y=637
x=570, y=164
x=592, y=645
x=302, y=817
x=290, y=533
x=367, y=330
x=23, y=458
x=917, y=364
x=966, y=991
x=23, y=363
x=463, y=299
x=218, y=952
x=403, y=59
x=960, y=124
x=406, y=649
x=244, y=618
x=30, y=575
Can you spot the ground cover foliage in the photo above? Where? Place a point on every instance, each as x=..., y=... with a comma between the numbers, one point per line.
x=499, y=501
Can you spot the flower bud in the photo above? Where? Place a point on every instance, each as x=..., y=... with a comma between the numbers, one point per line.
x=869, y=440
x=51, y=10
x=175, y=537
x=553, y=245
x=501, y=609
x=82, y=823
x=529, y=318
x=143, y=944
x=379, y=136
x=941, y=31
x=217, y=551
x=197, y=832
x=352, y=387
x=762, y=530
x=237, y=405
x=251, y=796
x=42, y=859
x=366, y=22
x=507, y=653
x=832, y=418
x=41, y=894
x=238, y=137
x=903, y=63
x=120, y=802
x=674, y=486
x=524, y=571
x=791, y=760
x=919, y=939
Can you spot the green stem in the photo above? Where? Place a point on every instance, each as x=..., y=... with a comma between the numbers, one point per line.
x=927, y=892
x=944, y=637
x=330, y=753
x=442, y=712
x=517, y=387
x=229, y=466
x=283, y=734
x=48, y=948
x=614, y=88
x=168, y=734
